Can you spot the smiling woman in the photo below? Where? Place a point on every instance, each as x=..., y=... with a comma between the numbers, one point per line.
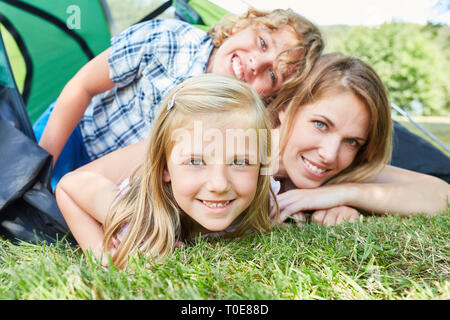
x=337, y=142
x=334, y=128
x=341, y=113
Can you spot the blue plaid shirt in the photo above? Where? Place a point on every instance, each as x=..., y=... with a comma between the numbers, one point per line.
x=147, y=60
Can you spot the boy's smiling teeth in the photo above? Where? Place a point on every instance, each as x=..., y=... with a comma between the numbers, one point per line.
x=313, y=167
x=216, y=204
x=237, y=68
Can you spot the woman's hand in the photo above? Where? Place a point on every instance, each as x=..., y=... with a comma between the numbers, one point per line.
x=294, y=203
x=336, y=215
x=326, y=202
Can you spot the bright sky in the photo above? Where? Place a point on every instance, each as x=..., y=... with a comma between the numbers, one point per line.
x=352, y=12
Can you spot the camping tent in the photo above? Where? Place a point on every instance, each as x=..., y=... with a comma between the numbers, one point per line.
x=48, y=42
x=28, y=209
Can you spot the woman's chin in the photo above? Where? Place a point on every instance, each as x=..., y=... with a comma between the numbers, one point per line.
x=304, y=183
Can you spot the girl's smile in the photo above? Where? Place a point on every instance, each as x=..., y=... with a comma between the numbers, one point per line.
x=213, y=204
x=217, y=207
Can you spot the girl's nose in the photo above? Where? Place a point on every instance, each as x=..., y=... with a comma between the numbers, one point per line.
x=218, y=179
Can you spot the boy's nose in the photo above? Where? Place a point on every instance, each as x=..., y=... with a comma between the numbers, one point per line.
x=218, y=179
x=261, y=62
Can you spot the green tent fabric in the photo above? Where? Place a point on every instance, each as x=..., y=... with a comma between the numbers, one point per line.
x=48, y=41
x=12, y=108
x=208, y=12
x=6, y=77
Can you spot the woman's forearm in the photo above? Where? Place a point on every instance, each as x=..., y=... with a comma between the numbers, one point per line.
x=428, y=196
x=394, y=191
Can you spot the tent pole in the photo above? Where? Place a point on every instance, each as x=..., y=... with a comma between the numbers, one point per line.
x=109, y=18
x=428, y=133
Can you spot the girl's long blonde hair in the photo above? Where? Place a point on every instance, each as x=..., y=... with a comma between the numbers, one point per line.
x=310, y=42
x=334, y=73
x=147, y=214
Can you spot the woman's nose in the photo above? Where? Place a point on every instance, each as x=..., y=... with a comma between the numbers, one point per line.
x=329, y=150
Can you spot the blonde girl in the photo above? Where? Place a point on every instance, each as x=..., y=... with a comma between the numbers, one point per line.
x=337, y=133
x=183, y=186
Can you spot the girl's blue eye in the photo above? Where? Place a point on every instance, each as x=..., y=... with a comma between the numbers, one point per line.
x=195, y=162
x=320, y=125
x=240, y=162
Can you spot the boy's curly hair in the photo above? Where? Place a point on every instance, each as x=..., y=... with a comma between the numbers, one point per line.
x=310, y=43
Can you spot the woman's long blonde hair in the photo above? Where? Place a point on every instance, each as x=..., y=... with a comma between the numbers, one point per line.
x=147, y=212
x=334, y=73
x=310, y=42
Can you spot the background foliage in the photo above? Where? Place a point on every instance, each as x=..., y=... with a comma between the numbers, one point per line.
x=412, y=60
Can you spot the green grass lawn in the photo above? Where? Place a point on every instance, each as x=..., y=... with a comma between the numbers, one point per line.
x=383, y=257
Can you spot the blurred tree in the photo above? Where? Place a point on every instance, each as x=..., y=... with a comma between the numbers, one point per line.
x=413, y=67
x=128, y=12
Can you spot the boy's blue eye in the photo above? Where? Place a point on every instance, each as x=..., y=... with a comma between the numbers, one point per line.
x=320, y=125
x=273, y=77
x=262, y=43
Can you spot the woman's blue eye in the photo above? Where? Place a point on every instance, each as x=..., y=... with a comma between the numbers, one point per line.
x=353, y=142
x=320, y=125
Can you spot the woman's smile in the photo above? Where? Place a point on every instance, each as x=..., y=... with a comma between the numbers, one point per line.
x=320, y=144
x=314, y=169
